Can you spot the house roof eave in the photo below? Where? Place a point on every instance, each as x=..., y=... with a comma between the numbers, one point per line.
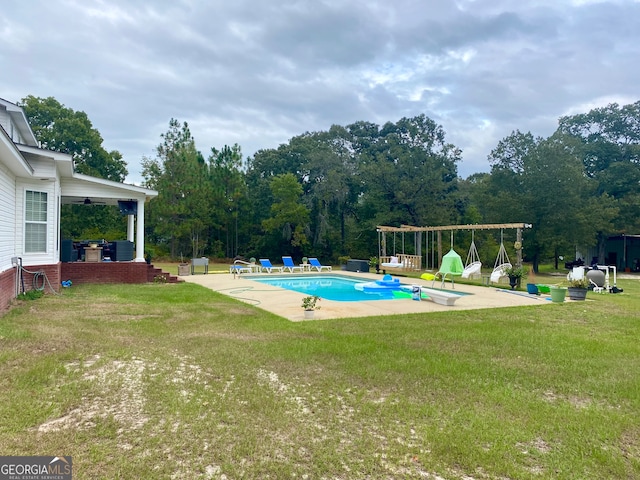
x=19, y=119
x=12, y=157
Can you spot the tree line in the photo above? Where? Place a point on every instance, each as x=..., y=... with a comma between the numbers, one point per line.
x=322, y=194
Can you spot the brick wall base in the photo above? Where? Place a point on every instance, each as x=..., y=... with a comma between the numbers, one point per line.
x=104, y=272
x=7, y=287
x=44, y=277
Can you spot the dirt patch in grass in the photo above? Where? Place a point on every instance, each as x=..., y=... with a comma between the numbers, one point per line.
x=630, y=445
x=243, y=337
x=116, y=392
x=576, y=401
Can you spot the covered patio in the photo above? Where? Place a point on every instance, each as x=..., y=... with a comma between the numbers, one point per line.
x=82, y=189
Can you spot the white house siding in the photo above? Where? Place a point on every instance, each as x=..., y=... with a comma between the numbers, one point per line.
x=7, y=217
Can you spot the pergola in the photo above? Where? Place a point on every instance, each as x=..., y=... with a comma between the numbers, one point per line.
x=446, y=228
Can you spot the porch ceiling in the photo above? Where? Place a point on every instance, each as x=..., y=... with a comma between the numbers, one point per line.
x=90, y=200
x=86, y=190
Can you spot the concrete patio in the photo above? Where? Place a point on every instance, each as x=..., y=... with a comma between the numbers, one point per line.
x=287, y=304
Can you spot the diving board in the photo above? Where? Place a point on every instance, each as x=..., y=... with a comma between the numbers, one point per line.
x=440, y=297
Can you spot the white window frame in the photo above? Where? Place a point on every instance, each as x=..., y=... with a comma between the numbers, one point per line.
x=35, y=221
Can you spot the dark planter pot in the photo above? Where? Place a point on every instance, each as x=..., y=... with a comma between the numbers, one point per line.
x=577, y=293
x=514, y=282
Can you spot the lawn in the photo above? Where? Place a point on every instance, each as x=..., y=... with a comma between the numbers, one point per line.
x=177, y=381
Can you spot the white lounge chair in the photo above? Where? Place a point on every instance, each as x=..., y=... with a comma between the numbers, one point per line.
x=240, y=267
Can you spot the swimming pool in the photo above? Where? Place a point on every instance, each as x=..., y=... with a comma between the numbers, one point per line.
x=329, y=287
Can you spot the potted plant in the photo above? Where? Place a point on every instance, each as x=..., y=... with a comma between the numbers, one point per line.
x=578, y=288
x=309, y=305
x=558, y=292
x=515, y=274
x=373, y=262
x=342, y=260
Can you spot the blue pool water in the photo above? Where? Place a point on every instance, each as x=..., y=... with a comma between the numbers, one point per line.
x=329, y=287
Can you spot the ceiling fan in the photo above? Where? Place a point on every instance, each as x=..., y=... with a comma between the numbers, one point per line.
x=88, y=201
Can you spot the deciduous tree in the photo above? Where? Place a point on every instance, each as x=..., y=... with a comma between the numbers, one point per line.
x=289, y=216
x=542, y=182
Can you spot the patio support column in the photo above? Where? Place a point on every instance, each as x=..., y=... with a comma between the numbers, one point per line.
x=140, y=232
x=130, y=227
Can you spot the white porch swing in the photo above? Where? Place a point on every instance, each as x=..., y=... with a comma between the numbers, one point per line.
x=502, y=263
x=398, y=262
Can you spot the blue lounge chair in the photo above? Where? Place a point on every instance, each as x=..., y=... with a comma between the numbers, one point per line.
x=315, y=264
x=266, y=266
x=239, y=267
x=289, y=265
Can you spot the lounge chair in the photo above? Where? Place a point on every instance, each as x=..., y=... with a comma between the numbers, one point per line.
x=289, y=265
x=240, y=267
x=265, y=264
x=315, y=264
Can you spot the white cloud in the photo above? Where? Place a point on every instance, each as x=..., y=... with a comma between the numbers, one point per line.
x=259, y=73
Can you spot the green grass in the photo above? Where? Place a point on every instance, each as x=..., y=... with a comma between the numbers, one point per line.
x=176, y=381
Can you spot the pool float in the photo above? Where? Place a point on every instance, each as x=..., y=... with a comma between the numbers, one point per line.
x=387, y=284
x=427, y=276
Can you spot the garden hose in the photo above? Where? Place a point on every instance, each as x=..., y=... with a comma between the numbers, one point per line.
x=39, y=282
x=39, y=277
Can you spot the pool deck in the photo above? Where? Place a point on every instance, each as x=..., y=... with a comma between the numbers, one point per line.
x=287, y=303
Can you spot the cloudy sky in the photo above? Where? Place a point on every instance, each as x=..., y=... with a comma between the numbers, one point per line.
x=259, y=72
